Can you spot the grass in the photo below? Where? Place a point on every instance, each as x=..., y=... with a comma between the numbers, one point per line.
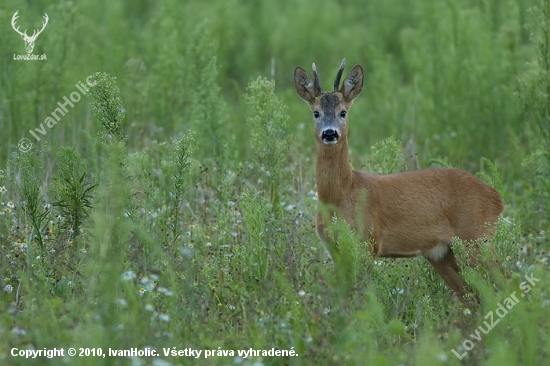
x=172, y=207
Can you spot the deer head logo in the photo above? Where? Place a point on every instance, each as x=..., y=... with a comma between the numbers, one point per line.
x=29, y=41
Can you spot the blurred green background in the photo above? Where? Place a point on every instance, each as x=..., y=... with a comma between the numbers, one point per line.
x=440, y=74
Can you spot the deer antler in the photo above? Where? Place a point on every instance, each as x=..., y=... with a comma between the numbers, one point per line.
x=13, y=19
x=316, y=78
x=339, y=75
x=24, y=34
x=34, y=35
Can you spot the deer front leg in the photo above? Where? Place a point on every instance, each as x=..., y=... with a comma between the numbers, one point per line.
x=320, y=224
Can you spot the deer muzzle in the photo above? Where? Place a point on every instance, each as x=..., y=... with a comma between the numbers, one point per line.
x=330, y=136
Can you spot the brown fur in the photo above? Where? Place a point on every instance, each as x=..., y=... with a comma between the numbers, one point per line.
x=405, y=214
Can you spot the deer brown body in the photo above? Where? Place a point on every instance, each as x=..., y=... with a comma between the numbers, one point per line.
x=405, y=214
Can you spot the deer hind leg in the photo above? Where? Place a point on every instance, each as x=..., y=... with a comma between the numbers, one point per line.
x=447, y=267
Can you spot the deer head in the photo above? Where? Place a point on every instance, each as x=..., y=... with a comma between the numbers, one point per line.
x=29, y=40
x=330, y=109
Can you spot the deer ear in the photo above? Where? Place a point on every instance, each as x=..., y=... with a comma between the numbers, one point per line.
x=352, y=86
x=305, y=86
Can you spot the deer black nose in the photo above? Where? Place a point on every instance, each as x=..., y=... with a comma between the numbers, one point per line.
x=329, y=135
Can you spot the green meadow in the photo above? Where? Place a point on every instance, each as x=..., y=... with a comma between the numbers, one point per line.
x=157, y=181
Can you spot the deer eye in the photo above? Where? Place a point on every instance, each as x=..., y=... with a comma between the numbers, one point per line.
x=316, y=114
x=343, y=114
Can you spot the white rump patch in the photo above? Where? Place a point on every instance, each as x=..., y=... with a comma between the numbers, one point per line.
x=437, y=253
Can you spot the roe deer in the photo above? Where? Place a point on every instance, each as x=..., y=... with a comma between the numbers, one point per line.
x=406, y=214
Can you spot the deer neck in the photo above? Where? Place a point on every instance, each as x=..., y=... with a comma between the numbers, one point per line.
x=333, y=171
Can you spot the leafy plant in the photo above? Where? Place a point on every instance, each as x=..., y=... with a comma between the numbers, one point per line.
x=26, y=172
x=492, y=177
x=183, y=148
x=386, y=157
x=71, y=189
x=106, y=106
x=268, y=132
x=255, y=215
x=534, y=97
